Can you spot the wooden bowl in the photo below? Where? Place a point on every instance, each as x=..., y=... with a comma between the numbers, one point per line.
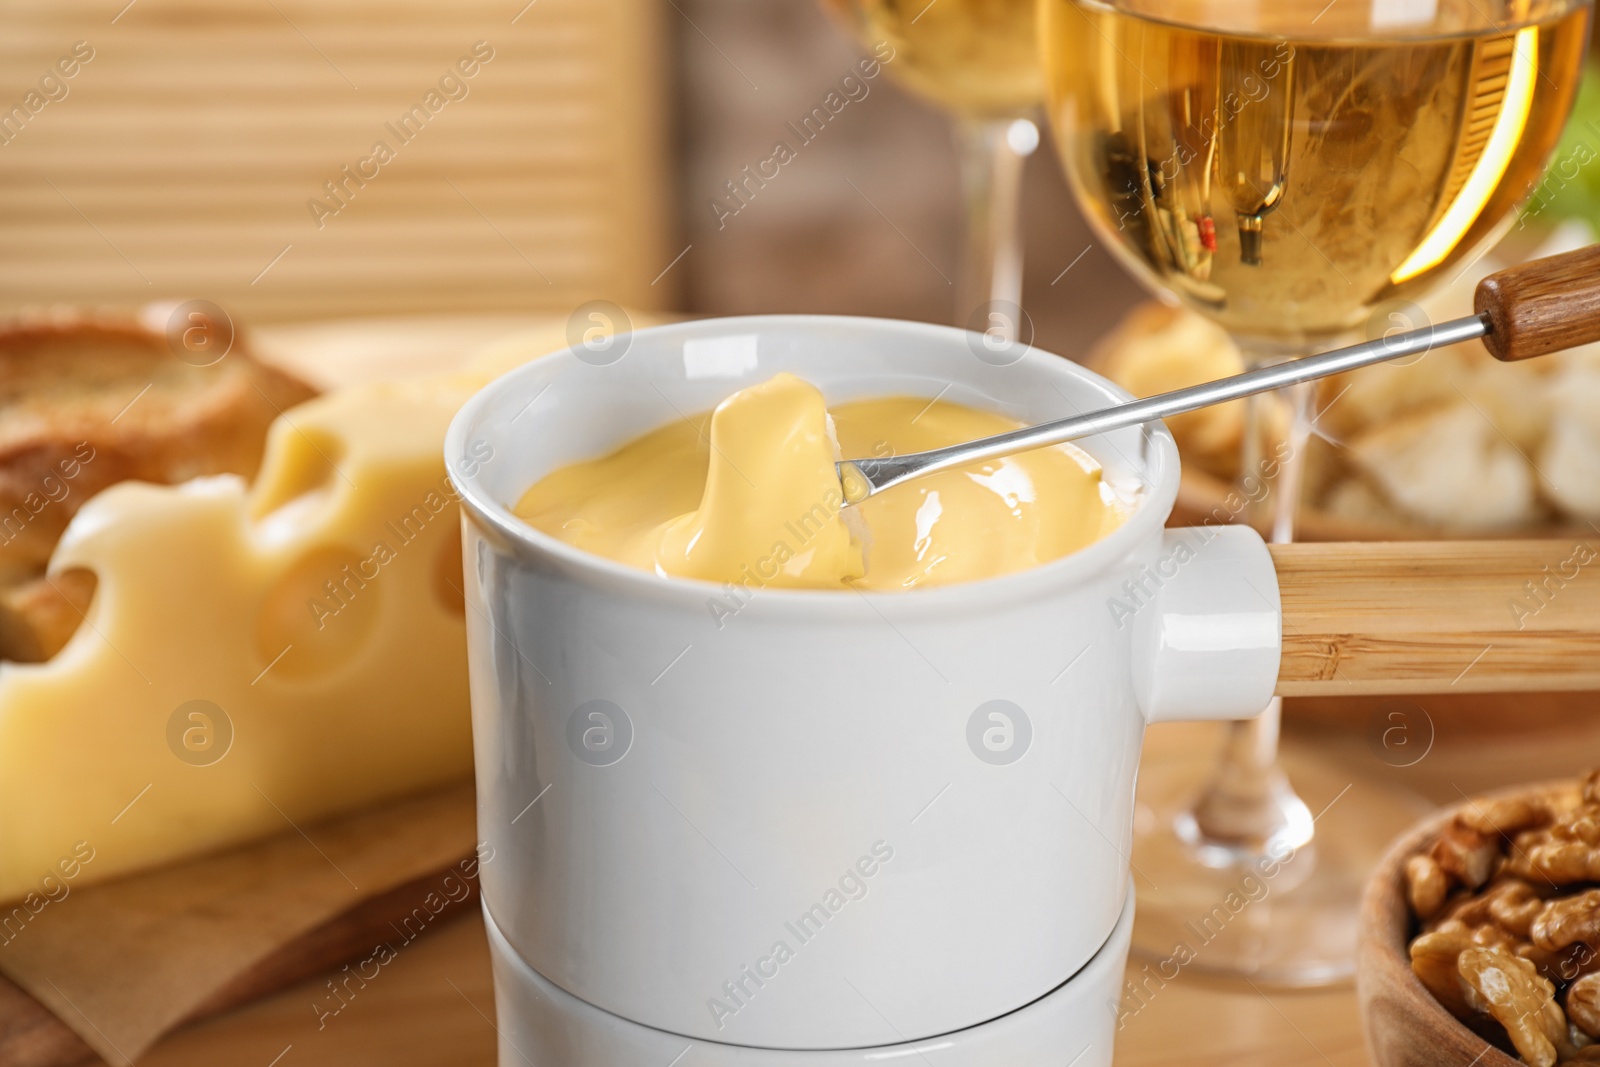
x=1405, y=1025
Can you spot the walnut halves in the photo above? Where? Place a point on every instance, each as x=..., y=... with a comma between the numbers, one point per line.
x=1510, y=920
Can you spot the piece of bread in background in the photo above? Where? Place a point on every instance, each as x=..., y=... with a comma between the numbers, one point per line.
x=1513, y=396
x=1157, y=349
x=1569, y=462
x=1350, y=404
x=87, y=403
x=38, y=615
x=1354, y=498
x=1443, y=441
x=1452, y=468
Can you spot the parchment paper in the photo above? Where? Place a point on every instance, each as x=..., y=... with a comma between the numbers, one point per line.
x=123, y=962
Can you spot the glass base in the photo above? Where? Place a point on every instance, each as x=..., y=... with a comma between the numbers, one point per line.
x=1283, y=917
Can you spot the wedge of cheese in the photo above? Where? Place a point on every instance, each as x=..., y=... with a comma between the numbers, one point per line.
x=254, y=659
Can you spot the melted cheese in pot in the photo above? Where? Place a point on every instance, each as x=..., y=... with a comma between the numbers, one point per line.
x=748, y=494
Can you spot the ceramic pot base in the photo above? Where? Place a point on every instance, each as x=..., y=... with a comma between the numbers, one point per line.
x=1074, y=1023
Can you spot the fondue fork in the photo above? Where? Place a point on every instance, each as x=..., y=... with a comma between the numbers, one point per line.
x=1531, y=310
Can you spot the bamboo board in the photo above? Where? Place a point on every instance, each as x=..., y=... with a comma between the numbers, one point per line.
x=1440, y=617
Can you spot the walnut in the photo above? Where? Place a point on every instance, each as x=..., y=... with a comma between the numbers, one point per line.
x=1464, y=907
x=1435, y=960
x=1467, y=854
x=1480, y=908
x=1565, y=862
x=1489, y=935
x=1507, y=901
x=1542, y=857
x=1568, y=920
x=1511, y=990
x=1514, y=905
x=1518, y=863
x=1426, y=886
x=1562, y=966
x=1582, y=825
x=1583, y=1005
x=1505, y=816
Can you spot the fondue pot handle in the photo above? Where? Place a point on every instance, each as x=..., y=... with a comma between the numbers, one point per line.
x=1445, y=617
x=1206, y=624
x=1543, y=306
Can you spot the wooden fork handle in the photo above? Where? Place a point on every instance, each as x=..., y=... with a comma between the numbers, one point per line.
x=1439, y=617
x=1544, y=306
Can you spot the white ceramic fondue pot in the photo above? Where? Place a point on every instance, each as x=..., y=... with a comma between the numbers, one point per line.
x=1073, y=1025
x=824, y=820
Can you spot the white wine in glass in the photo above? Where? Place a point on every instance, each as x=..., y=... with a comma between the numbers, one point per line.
x=1285, y=173
x=1287, y=168
x=978, y=60
x=972, y=57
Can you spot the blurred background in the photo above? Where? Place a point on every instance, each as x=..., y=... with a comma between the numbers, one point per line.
x=581, y=161
x=825, y=238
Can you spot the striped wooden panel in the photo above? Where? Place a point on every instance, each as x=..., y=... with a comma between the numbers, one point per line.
x=181, y=159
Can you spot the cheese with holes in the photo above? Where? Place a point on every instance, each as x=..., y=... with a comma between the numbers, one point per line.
x=254, y=658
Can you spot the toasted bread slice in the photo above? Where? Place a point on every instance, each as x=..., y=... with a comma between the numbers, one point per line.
x=87, y=404
x=38, y=615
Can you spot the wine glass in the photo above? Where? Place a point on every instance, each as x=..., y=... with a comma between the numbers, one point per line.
x=1285, y=169
x=979, y=60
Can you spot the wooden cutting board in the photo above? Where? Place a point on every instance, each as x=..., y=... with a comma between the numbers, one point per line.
x=31, y=1036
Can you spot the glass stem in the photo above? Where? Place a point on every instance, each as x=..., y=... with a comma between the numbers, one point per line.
x=1249, y=808
x=991, y=153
